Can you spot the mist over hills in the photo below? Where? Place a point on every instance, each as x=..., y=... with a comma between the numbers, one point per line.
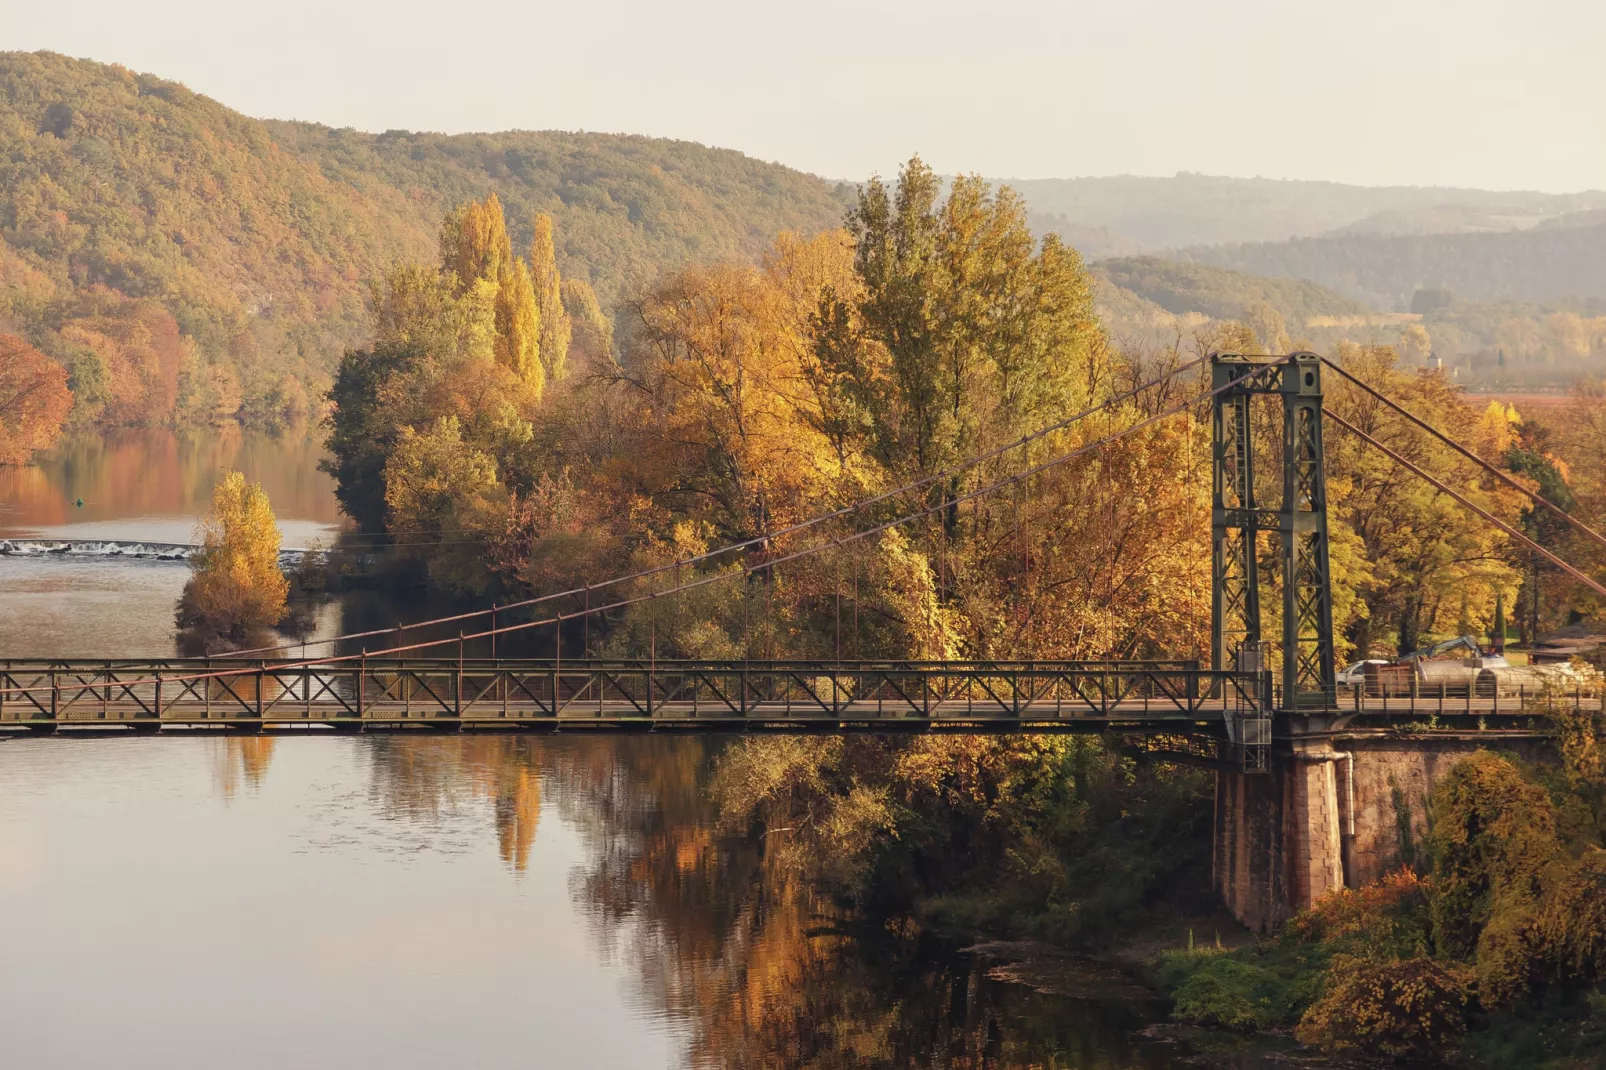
x=1151, y=214
x=1544, y=263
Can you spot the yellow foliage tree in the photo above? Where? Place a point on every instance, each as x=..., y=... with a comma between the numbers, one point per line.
x=725, y=357
x=416, y=311
x=519, y=326
x=237, y=586
x=592, y=340
x=474, y=243
x=555, y=330
x=1432, y=567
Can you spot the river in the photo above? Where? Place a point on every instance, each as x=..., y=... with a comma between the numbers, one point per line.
x=395, y=902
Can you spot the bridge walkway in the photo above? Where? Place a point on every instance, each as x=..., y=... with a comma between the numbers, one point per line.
x=548, y=695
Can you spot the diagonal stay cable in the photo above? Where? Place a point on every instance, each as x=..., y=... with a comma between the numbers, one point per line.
x=1458, y=496
x=745, y=570
x=757, y=540
x=1468, y=454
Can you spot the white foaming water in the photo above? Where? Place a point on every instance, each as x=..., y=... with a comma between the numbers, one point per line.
x=118, y=548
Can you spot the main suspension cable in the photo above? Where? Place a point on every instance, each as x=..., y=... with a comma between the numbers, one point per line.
x=1468, y=454
x=1458, y=496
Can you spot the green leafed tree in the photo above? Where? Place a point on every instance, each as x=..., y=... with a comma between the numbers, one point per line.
x=967, y=329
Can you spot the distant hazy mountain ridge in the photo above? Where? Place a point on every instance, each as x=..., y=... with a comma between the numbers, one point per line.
x=1543, y=263
x=1152, y=214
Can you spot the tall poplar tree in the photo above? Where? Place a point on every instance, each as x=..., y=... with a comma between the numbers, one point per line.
x=549, y=297
x=519, y=325
x=474, y=243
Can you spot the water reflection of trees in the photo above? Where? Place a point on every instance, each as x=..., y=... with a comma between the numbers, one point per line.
x=423, y=777
x=143, y=472
x=723, y=936
x=241, y=760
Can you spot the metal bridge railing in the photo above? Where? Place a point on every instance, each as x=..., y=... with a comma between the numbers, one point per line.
x=373, y=690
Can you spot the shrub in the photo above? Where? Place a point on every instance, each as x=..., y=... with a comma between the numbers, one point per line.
x=1388, y=917
x=1571, y=926
x=1227, y=991
x=1494, y=834
x=1408, y=1010
x=1508, y=958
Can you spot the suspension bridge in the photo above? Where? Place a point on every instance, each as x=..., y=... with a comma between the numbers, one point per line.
x=1227, y=705
x=1266, y=709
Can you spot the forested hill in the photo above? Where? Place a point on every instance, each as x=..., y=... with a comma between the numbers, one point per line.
x=134, y=210
x=1182, y=288
x=1557, y=259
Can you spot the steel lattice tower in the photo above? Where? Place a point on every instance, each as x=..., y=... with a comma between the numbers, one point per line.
x=1300, y=521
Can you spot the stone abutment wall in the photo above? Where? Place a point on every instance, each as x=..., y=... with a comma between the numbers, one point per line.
x=1336, y=810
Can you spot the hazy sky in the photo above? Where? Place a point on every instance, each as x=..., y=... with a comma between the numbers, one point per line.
x=1484, y=93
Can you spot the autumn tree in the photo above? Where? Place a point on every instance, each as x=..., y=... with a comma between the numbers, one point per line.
x=133, y=354
x=1430, y=566
x=237, y=586
x=460, y=340
x=592, y=330
x=435, y=482
x=555, y=331
x=1581, y=443
x=967, y=329
x=1416, y=346
x=1271, y=331
x=519, y=326
x=474, y=243
x=34, y=400
x=477, y=262
x=421, y=332
x=722, y=353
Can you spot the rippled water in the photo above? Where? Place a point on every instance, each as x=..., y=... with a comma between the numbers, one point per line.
x=421, y=901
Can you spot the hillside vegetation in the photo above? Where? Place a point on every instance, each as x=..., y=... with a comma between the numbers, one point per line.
x=1498, y=345
x=185, y=261
x=188, y=264
x=1218, y=293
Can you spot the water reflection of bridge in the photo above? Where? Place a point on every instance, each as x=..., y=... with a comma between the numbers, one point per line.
x=378, y=695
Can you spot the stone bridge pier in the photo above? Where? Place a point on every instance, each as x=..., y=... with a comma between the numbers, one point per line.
x=1338, y=808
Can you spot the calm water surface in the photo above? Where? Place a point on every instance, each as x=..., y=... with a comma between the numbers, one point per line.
x=136, y=486
x=419, y=902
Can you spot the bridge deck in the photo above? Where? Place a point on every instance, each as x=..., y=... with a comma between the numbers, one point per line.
x=526, y=695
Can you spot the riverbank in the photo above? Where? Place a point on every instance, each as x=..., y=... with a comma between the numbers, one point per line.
x=1056, y=853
